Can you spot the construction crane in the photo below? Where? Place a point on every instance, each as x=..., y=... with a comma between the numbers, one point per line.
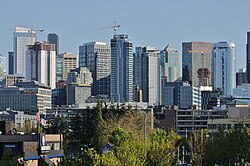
x=114, y=27
x=32, y=31
x=202, y=72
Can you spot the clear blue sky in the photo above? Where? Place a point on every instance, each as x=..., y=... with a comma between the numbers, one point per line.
x=147, y=22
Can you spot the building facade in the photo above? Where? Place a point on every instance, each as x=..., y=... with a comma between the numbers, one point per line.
x=147, y=73
x=248, y=56
x=121, y=81
x=11, y=80
x=29, y=97
x=170, y=93
x=41, y=64
x=54, y=39
x=64, y=63
x=96, y=57
x=10, y=63
x=21, y=38
x=190, y=120
x=79, y=86
x=190, y=98
x=223, y=67
x=2, y=67
x=170, y=63
x=196, y=63
x=241, y=77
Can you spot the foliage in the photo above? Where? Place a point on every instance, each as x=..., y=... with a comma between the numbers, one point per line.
x=27, y=128
x=9, y=160
x=197, y=145
x=229, y=147
x=119, y=136
x=161, y=148
x=97, y=139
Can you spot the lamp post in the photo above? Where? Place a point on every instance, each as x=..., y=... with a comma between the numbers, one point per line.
x=145, y=134
x=183, y=154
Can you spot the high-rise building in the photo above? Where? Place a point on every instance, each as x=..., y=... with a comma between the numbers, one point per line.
x=96, y=57
x=170, y=93
x=170, y=63
x=223, y=67
x=241, y=77
x=22, y=37
x=190, y=97
x=79, y=86
x=64, y=63
x=121, y=81
x=41, y=63
x=196, y=63
x=147, y=73
x=248, y=57
x=10, y=62
x=2, y=67
x=54, y=39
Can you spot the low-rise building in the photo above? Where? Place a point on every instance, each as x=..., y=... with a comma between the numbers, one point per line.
x=26, y=147
x=196, y=120
x=165, y=117
x=29, y=97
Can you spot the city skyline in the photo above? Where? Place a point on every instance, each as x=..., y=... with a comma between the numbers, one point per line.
x=147, y=23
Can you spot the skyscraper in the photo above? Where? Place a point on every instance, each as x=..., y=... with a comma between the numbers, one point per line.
x=121, y=82
x=196, y=63
x=2, y=67
x=41, y=63
x=96, y=57
x=54, y=39
x=64, y=63
x=223, y=67
x=22, y=37
x=147, y=73
x=79, y=85
x=10, y=63
x=170, y=63
x=241, y=77
x=248, y=57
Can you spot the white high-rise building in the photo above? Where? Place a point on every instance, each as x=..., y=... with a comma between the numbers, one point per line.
x=41, y=64
x=121, y=81
x=22, y=37
x=223, y=67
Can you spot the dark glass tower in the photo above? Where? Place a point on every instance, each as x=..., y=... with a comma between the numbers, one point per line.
x=54, y=39
x=248, y=57
x=10, y=62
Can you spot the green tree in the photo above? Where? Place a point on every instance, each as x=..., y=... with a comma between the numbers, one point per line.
x=97, y=139
x=161, y=148
x=229, y=147
x=197, y=145
x=119, y=136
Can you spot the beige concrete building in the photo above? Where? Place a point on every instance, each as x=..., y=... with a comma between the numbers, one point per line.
x=65, y=62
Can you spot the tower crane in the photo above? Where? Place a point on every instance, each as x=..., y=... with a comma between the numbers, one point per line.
x=114, y=27
x=32, y=31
